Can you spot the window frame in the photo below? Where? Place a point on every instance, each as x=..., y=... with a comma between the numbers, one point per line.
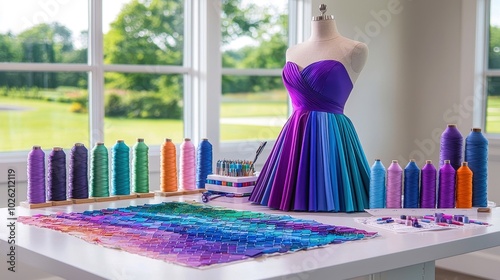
x=487, y=72
x=202, y=70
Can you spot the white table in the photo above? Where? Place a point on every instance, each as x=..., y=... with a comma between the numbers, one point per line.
x=389, y=256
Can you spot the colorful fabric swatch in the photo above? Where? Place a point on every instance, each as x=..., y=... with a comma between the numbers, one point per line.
x=193, y=234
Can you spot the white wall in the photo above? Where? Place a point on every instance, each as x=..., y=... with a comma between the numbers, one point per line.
x=419, y=77
x=433, y=48
x=377, y=103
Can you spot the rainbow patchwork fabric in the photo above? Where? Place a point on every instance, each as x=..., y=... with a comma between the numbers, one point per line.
x=193, y=234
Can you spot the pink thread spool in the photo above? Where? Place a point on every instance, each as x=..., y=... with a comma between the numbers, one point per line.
x=187, y=165
x=394, y=185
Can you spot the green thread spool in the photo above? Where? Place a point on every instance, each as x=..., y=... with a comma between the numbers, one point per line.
x=99, y=173
x=140, y=172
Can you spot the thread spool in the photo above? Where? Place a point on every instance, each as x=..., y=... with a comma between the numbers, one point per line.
x=464, y=187
x=451, y=147
x=377, y=185
x=120, y=169
x=411, y=185
x=168, y=164
x=203, y=163
x=446, y=193
x=394, y=185
x=78, y=183
x=99, y=171
x=476, y=154
x=140, y=172
x=36, y=176
x=187, y=165
x=428, y=185
x=56, y=175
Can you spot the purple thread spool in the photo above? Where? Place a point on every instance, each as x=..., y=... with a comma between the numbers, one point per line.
x=428, y=185
x=452, y=143
x=78, y=172
x=439, y=217
x=446, y=197
x=56, y=177
x=36, y=175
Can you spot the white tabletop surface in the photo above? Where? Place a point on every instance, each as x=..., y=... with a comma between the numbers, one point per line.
x=72, y=258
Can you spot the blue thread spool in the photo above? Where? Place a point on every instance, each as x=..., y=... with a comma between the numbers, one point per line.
x=203, y=163
x=411, y=183
x=476, y=154
x=377, y=185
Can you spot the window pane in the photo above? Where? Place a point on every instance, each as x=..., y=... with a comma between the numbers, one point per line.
x=43, y=108
x=254, y=33
x=494, y=48
x=252, y=108
x=143, y=106
x=44, y=31
x=143, y=32
x=493, y=105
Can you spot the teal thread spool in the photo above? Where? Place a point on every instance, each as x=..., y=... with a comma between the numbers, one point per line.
x=120, y=172
x=99, y=172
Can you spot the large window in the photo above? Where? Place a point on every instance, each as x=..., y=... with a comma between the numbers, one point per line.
x=139, y=104
x=493, y=69
x=143, y=32
x=47, y=107
x=254, y=102
x=44, y=31
x=151, y=109
x=91, y=70
x=102, y=70
x=34, y=111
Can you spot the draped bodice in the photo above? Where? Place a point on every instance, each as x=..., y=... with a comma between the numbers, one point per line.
x=322, y=86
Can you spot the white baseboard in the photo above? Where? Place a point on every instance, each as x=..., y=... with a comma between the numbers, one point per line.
x=479, y=264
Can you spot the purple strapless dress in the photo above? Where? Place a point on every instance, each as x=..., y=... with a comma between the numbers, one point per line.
x=317, y=162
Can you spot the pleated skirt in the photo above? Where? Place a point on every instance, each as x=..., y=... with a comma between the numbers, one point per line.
x=316, y=164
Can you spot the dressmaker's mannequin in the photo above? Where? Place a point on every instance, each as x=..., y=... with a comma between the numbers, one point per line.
x=318, y=163
x=326, y=43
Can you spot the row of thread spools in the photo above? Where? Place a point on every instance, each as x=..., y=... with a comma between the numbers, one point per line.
x=459, y=182
x=80, y=179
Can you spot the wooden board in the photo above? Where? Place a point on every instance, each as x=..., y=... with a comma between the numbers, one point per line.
x=83, y=200
x=179, y=192
x=105, y=198
x=28, y=205
x=62, y=202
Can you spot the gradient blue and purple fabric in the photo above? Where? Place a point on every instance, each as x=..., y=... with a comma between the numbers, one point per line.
x=317, y=162
x=195, y=235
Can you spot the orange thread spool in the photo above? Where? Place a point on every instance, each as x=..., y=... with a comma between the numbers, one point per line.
x=464, y=187
x=168, y=164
